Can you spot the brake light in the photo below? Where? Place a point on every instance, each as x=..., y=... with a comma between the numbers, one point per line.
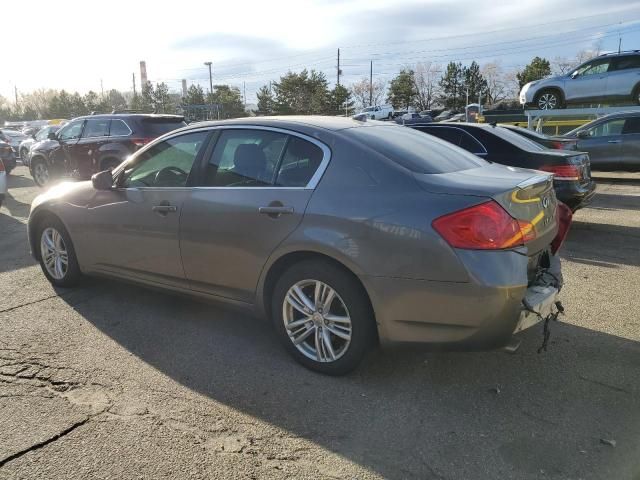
x=567, y=173
x=486, y=226
x=564, y=218
x=141, y=142
x=564, y=145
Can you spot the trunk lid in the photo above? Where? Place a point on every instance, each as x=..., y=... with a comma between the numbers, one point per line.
x=527, y=195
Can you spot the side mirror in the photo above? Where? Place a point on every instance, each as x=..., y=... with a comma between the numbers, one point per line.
x=583, y=134
x=52, y=136
x=102, y=180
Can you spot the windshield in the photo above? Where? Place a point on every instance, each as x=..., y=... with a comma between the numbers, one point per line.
x=416, y=151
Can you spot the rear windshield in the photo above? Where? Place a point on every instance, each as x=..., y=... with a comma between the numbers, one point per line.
x=416, y=151
x=154, y=127
x=516, y=139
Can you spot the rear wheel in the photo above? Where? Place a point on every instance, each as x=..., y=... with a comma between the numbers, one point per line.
x=23, y=154
x=548, y=100
x=323, y=317
x=41, y=172
x=57, y=255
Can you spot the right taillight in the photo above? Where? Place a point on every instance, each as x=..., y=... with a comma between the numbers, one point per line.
x=564, y=216
x=568, y=173
x=486, y=226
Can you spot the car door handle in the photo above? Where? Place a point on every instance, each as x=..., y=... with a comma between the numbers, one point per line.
x=164, y=209
x=613, y=141
x=276, y=211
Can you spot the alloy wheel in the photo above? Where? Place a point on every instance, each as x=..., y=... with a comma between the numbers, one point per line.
x=54, y=253
x=548, y=101
x=317, y=321
x=41, y=173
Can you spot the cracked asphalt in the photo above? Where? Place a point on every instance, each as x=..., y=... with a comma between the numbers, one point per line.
x=114, y=381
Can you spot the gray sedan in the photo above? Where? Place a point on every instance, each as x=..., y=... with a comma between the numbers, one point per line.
x=343, y=233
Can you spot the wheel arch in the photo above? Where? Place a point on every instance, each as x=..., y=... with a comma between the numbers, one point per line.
x=552, y=88
x=282, y=263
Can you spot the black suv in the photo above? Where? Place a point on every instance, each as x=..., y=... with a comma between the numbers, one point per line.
x=87, y=145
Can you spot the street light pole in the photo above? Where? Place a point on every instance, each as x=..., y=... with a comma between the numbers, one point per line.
x=210, y=64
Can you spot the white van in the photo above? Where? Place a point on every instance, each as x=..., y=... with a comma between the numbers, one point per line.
x=378, y=112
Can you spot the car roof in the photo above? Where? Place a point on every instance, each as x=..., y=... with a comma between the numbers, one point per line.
x=129, y=115
x=316, y=121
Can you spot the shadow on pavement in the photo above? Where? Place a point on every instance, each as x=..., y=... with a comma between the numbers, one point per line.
x=19, y=181
x=602, y=244
x=404, y=414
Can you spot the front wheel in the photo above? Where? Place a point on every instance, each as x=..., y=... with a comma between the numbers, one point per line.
x=41, y=173
x=24, y=153
x=548, y=100
x=323, y=317
x=57, y=255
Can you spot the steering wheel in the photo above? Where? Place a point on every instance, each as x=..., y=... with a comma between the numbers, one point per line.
x=168, y=173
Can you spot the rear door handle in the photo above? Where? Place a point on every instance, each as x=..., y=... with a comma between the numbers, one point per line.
x=613, y=141
x=276, y=211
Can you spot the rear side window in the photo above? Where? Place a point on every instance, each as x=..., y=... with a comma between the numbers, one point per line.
x=631, y=125
x=301, y=160
x=154, y=127
x=119, y=128
x=414, y=150
x=626, y=63
x=98, y=127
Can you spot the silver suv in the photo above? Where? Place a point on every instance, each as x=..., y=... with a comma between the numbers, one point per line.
x=609, y=77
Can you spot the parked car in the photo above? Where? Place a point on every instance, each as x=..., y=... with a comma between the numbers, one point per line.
x=87, y=145
x=39, y=136
x=7, y=157
x=378, y=112
x=572, y=173
x=413, y=118
x=445, y=115
x=290, y=217
x=458, y=117
x=12, y=137
x=547, y=141
x=3, y=182
x=613, y=141
x=607, y=78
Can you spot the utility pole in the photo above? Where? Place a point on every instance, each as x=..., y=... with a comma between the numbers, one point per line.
x=15, y=88
x=133, y=77
x=338, y=73
x=101, y=89
x=619, y=43
x=210, y=64
x=371, y=84
x=244, y=94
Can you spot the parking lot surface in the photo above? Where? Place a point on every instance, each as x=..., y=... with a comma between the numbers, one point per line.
x=111, y=380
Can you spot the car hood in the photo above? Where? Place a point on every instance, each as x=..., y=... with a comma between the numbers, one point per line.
x=545, y=81
x=44, y=145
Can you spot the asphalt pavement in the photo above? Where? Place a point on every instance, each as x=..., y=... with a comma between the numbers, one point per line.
x=110, y=380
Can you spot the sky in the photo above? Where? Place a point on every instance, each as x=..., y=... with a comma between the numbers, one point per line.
x=75, y=45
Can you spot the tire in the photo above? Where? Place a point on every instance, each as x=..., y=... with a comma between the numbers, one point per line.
x=348, y=312
x=23, y=154
x=40, y=172
x=548, y=100
x=53, y=237
x=109, y=164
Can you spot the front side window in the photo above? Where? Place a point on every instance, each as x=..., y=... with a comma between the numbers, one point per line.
x=593, y=68
x=43, y=134
x=98, y=127
x=166, y=164
x=631, y=125
x=245, y=158
x=607, y=129
x=71, y=131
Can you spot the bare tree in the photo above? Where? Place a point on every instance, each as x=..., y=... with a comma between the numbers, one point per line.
x=426, y=78
x=361, y=92
x=562, y=65
x=497, y=83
